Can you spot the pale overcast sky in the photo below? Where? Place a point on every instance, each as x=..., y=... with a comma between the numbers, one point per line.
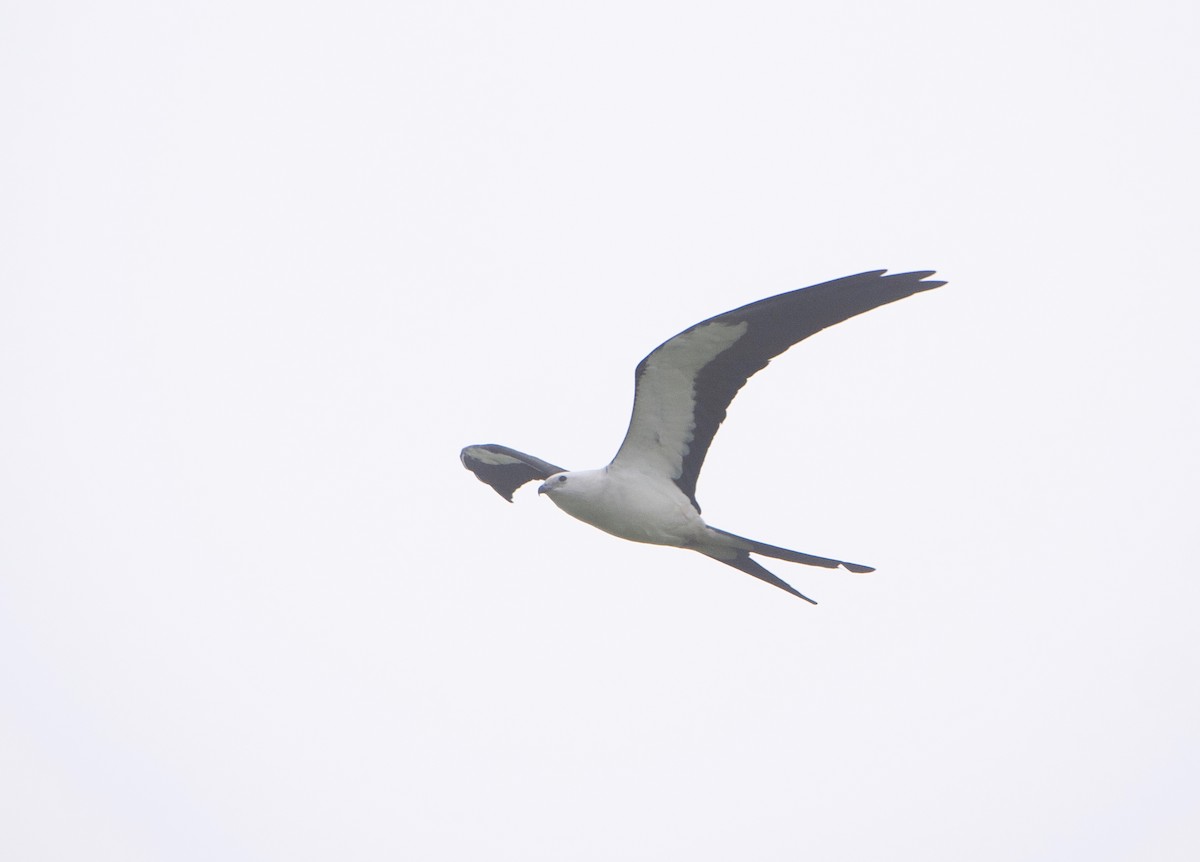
x=268, y=266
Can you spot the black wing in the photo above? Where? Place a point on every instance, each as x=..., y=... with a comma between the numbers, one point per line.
x=505, y=469
x=685, y=385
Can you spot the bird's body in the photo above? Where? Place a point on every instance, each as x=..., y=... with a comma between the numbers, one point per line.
x=682, y=389
x=628, y=504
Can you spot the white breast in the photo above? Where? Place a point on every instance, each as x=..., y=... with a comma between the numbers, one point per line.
x=631, y=505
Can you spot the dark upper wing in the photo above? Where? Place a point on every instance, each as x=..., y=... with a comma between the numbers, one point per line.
x=505, y=469
x=685, y=385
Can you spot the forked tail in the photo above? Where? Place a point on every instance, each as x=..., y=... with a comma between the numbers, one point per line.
x=742, y=543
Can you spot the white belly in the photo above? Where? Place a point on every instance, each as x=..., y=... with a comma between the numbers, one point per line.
x=632, y=506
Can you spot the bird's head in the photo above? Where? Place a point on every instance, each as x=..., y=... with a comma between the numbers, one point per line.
x=557, y=482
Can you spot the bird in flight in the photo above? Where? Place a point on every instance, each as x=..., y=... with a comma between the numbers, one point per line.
x=681, y=392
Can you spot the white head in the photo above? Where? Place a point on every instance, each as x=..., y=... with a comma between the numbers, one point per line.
x=555, y=484
x=572, y=486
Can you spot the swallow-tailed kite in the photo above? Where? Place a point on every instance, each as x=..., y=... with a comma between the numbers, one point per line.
x=682, y=390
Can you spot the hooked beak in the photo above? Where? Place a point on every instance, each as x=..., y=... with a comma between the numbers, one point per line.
x=542, y=488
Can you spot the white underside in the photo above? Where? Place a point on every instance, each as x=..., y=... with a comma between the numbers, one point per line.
x=631, y=505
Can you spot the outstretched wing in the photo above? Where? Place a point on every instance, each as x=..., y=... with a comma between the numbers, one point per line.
x=685, y=385
x=505, y=469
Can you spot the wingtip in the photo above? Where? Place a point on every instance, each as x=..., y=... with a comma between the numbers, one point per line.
x=919, y=276
x=928, y=285
x=857, y=569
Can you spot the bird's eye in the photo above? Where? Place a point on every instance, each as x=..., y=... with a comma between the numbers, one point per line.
x=562, y=478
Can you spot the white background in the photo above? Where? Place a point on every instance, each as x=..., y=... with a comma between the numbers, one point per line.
x=267, y=267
